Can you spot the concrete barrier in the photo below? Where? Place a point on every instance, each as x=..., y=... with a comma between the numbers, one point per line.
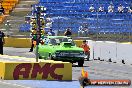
x=78, y=42
x=25, y=42
x=17, y=42
x=45, y=70
x=22, y=68
x=115, y=51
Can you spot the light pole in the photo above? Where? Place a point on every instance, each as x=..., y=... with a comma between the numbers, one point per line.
x=39, y=11
x=97, y=26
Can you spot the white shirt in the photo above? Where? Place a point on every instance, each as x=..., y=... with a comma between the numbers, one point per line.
x=80, y=28
x=101, y=9
x=110, y=8
x=129, y=9
x=91, y=9
x=120, y=8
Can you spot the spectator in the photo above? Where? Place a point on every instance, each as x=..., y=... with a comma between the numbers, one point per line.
x=8, y=27
x=130, y=8
x=2, y=41
x=86, y=49
x=83, y=30
x=101, y=8
x=80, y=31
x=111, y=8
x=68, y=32
x=35, y=39
x=120, y=9
x=91, y=8
x=1, y=9
x=51, y=33
x=49, y=22
x=32, y=45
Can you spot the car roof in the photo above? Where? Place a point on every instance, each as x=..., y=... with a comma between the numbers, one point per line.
x=58, y=37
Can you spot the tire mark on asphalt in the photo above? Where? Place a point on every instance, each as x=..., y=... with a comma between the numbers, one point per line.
x=96, y=70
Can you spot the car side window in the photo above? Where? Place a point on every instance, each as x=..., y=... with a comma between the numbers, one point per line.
x=65, y=40
x=53, y=42
x=46, y=41
x=72, y=42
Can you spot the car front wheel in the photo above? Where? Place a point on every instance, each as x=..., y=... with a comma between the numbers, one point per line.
x=40, y=57
x=50, y=57
x=80, y=63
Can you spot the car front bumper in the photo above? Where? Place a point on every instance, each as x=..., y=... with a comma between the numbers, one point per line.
x=69, y=58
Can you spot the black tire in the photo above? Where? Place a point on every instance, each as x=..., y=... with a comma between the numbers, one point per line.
x=80, y=63
x=50, y=57
x=40, y=57
x=88, y=58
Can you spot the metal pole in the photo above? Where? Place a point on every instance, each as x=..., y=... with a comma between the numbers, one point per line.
x=97, y=25
x=129, y=33
x=93, y=49
x=116, y=45
x=38, y=31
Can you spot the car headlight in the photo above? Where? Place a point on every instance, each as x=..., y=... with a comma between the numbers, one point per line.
x=54, y=55
x=81, y=52
x=57, y=52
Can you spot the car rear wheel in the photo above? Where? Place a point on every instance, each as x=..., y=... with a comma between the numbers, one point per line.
x=80, y=63
x=88, y=58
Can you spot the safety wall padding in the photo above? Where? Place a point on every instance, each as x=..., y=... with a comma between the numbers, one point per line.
x=18, y=42
x=45, y=70
x=26, y=42
x=78, y=42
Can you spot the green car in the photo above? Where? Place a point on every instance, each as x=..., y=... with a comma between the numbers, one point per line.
x=61, y=48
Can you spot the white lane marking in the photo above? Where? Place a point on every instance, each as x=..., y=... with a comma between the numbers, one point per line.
x=99, y=41
x=13, y=84
x=6, y=58
x=110, y=42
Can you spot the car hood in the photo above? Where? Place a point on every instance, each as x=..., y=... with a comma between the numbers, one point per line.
x=67, y=46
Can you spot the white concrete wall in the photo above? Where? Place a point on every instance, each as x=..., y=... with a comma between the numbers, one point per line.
x=106, y=50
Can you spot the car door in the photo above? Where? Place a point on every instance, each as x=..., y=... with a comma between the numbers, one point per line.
x=45, y=49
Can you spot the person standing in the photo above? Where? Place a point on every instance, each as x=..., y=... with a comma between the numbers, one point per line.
x=1, y=9
x=51, y=33
x=68, y=32
x=91, y=8
x=130, y=8
x=110, y=8
x=86, y=49
x=2, y=41
x=120, y=9
x=101, y=8
x=33, y=39
x=80, y=31
x=8, y=27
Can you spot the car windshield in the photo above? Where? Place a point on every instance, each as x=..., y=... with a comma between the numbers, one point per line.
x=57, y=41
